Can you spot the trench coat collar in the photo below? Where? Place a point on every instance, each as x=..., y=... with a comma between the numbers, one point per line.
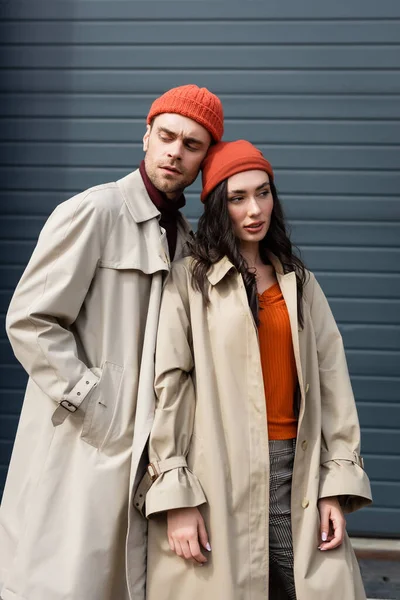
x=136, y=197
x=220, y=269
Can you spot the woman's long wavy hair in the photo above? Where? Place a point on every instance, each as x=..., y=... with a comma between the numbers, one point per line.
x=215, y=239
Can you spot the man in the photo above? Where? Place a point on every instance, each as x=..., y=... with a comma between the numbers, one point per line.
x=82, y=322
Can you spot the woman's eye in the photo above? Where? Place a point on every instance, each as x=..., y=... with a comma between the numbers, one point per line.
x=264, y=193
x=236, y=199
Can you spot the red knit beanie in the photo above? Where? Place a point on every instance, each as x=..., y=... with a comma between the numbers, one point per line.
x=228, y=158
x=196, y=103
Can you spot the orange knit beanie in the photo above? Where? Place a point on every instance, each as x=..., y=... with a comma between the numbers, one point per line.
x=196, y=103
x=228, y=158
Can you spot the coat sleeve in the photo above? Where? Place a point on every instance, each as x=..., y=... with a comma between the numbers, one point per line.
x=48, y=299
x=342, y=473
x=176, y=486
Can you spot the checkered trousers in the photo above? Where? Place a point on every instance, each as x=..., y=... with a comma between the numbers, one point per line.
x=281, y=454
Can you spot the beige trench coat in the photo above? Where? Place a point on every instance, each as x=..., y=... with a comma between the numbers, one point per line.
x=211, y=416
x=83, y=324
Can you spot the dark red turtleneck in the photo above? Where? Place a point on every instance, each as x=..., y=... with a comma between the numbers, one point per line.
x=168, y=209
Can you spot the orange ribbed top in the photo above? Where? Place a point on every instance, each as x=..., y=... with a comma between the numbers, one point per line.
x=278, y=364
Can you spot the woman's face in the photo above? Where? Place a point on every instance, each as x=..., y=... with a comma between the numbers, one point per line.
x=250, y=205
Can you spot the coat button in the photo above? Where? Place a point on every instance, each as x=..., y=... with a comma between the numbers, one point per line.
x=307, y=387
x=304, y=445
x=305, y=503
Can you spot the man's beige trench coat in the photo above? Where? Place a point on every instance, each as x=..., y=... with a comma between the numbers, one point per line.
x=83, y=323
x=211, y=415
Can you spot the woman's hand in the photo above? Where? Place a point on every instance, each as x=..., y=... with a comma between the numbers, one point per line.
x=186, y=529
x=333, y=523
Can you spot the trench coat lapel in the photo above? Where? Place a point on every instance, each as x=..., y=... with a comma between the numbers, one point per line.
x=287, y=283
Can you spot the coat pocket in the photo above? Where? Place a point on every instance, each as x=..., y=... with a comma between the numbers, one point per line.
x=101, y=406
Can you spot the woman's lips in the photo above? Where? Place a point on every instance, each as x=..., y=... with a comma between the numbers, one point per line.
x=254, y=227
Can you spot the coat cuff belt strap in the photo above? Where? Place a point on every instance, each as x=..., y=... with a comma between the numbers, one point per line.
x=70, y=403
x=154, y=470
x=342, y=455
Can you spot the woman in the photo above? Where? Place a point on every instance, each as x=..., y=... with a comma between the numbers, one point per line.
x=256, y=433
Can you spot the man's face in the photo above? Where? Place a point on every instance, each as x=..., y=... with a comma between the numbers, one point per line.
x=175, y=147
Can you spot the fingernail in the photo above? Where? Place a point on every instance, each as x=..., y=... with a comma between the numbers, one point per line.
x=324, y=536
x=208, y=547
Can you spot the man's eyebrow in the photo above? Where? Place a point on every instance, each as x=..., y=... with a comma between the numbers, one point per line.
x=167, y=131
x=263, y=185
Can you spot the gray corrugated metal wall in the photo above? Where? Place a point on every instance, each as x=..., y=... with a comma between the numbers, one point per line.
x=316, y=85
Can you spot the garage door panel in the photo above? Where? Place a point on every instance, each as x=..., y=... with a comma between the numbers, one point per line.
x=386, y=494
x=365, y=336
x=374, y=362
x=359, y=284
x=288, y=181
x=5, y=451
x=135, y=33
x=15, y=253
x=380, y=441
x=5, y=298
x=8, y=427
x=11, y=400
x=365, y=311
x=13, y=377
x=124, y=155
x=310, y=233
x=345, y=234
x=373, y=388
x=120, y=9
x=373, y=521
x=236, y=105
x=227, y=56
x=379, y=414
x=33, y=202
x=6, y=354
x=384, y=260
x=18, y=253
x=261, y=131
x=299, y=206
x=294, y=81
x=381, y=468
x=9, y=277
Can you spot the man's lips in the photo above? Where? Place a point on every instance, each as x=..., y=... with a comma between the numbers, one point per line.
x=170, y=169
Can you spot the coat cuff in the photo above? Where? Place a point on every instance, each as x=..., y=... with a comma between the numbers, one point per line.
x=72, y=401
x=174, y=487
x=342, y=474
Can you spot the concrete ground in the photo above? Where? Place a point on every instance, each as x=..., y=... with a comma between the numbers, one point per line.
x=379, y=562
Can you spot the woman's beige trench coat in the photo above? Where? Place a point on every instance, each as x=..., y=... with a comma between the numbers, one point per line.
x=83, y=323
x=211, y=415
